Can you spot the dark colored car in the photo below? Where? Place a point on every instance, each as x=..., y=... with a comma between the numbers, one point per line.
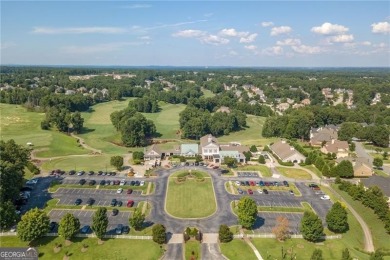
x=126, y=230
x=115, y=212
x=285, y=183
x=137, y=183
x=250, y=192
x=240, y=191
x=247, y=183
x=132, y=183
x=118, y=229
x=91, y=173
x=72, y=172
x=52, y=226
x=77, y=202
x=85, y=230
x=113, y=202
x=92, y=182
x=113, y=173
x=265, y=191
x=82, y=181
x=261, y=183
x=99, y=173
x=130, y=203
x=90, y=201
x=102, y=182
x=129, y=191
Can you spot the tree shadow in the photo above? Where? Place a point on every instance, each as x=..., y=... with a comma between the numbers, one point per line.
x=42, y=241
x=147, y=224
x=86, y=130
x=168, y=236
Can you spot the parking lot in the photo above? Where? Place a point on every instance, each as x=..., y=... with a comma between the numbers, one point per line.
x=254, y=174
x=267, y=220
x=85, y=217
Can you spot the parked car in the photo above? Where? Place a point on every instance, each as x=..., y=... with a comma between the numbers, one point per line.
x=80, y=173
x=90, y=201
x=72, y=172
x=118, y=229
x=82, y=181
x=129, y=191
x=115, y=212
x=77, y=202
x=119, y=191
x=260, y=191
x=285, y=183
x=132, y=183
x=91, y=173
x=130, y=203
x=237, y=183
x=265, y=191
x=123, y=182
x=250, y=192
x=52, y=226
x=252, y=183
x=86, y=229
x=137, y=183
x=325, y=197
x=142, y=183
x=113, y=202
x=261, y=183
x=100, y=173
x=102, y=182
x=119, y=203
x=126, y=229
x=291, y=192
x=92, y=182
x=240, y=191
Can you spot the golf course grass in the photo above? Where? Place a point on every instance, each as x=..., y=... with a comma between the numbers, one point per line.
x=191, y=198
x=237, y=249
x=294, y=173
x=111, y=249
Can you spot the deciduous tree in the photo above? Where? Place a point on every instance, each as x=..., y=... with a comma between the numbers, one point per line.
x=311, y=227
x=281, y=230
x=34, y=224
x=8, y=215
x=247, y=212
x=69, y=226
x=225, y=235
x=337, y=218
x=117, y=161
x=100, y=222
x=137, y=219
x=317, y=255
x=158, y=232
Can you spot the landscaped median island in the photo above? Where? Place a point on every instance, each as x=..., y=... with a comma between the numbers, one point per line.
x=190, y=194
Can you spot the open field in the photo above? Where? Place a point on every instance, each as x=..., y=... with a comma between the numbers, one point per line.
x=111, y=249
x=237, y=249
x=86, y=163
x=294, y=173
x=265, y=171
x=190, y=199
x=192, y=246
x=22, y=126
x=250, y=135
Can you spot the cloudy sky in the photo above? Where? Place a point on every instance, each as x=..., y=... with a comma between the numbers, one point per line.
x=186, y=33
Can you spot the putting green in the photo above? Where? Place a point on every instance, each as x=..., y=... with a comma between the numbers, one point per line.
x=191, y=198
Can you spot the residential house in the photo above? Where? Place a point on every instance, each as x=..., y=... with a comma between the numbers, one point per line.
x=340, y=148
x=224, y=109
x=189, y=150
x=305, y=102
x=381, y=182
x=152, y=153
x=323, y=134
x=361, y=166
x=286, y=153
x=283, y=107
x=212, y=150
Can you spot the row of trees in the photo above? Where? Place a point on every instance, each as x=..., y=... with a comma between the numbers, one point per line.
x=135, y=129
x=63, y=119
x=196, y=122
x=377, y=134
x=145, y=105
x=14, y=158
x=372, y=198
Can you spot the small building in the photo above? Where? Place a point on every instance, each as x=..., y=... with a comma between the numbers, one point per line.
x=152, y=153
x=209, y=146
x=286, y=153
x=189, y=150
x=340, y=148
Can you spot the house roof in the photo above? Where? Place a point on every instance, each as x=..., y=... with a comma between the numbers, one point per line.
x=189, y=148
x=207, y=139
x=152, y=148
x=382, y=182
x=337, y=145
x=283, y=150
x=230, y=147
x=223, y=109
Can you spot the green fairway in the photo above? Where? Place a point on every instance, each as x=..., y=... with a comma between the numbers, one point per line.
x=294, y=173
x=111, y=249
x=250, y=135
x=190, y=199
x=86, y=163
x=22, y=126
x=237, y=249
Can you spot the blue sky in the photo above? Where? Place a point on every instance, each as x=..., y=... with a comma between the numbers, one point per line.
x=186, y=33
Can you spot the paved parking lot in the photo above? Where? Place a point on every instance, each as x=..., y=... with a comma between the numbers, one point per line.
x=85, y=217
x=267, y=220
x=94, y=191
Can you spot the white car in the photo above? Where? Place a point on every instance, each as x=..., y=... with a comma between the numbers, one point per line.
x=119, y=190
x=325, y=197
x=123, y=182
x=13, y=229
x=142, y=183
x=260, y=191
x=237, y=183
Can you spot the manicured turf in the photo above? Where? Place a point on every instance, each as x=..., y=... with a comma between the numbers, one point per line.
x=22, y=126
x=86, y=163
x=111, y=249
x=313, y=169
x=237, y=249
x=192, y=246
x=294, y=173
x=250, y=135
x=190, y=199
x=265, y=171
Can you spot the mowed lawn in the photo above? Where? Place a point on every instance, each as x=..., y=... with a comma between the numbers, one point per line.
x=250, y=135
x=190, y=199
x=111, y=249
x=294, y=173
x=237, y=249
x=23, y=126
x=78, y=163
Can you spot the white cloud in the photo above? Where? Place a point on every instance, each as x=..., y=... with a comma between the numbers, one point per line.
x=250, y=47
x=214, y=40
x=189, y=33
x=280, y=30
x=275, y=50
x=137, y=6
x=232, y=33
x=267, y=24
x=366, y=43
x=78, y=30
x=98, y=48
x=381, y=27
x=249, y=39
x=304, y=49
x=289, y=42
x=329, y=29
x=340, y=38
